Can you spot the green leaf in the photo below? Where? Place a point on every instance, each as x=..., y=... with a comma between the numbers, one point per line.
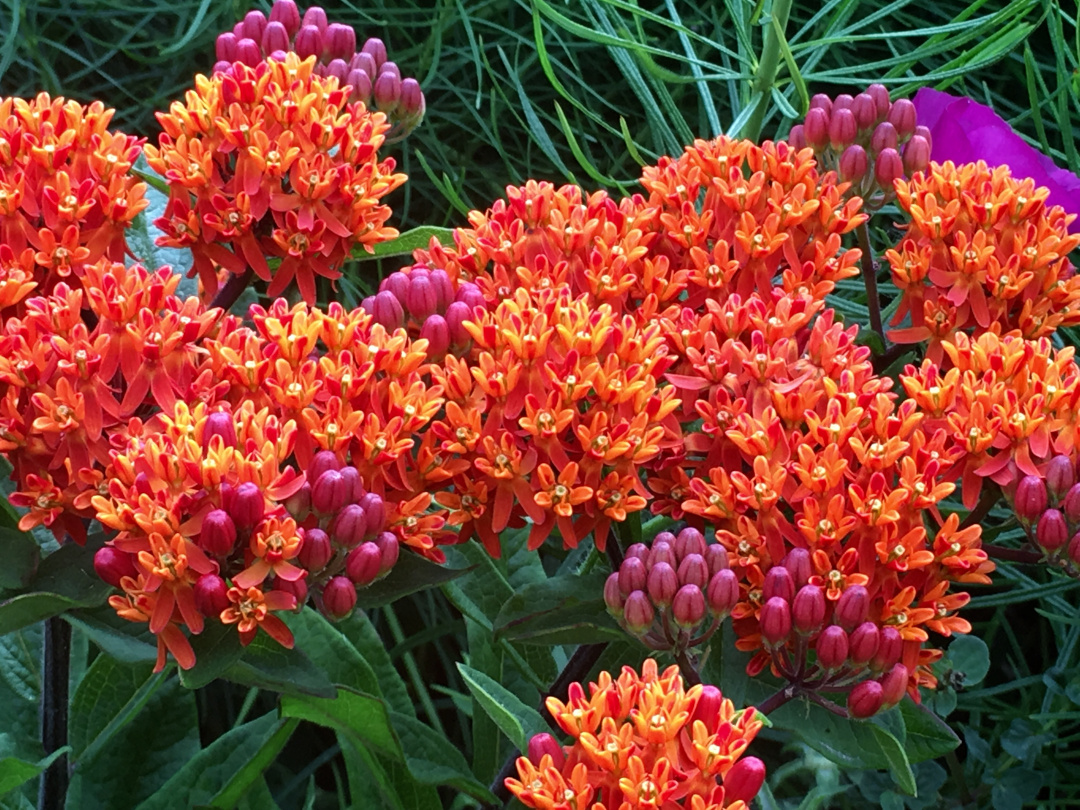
x=360, y=632
x=411, y=573
x=216, y=649
x=16, y=772
x=20, y=687
x=970, y=655
x=332, y=652
x=928, y=736
x=404, y=244
x=22, y=555
x=143, y=234
x=434, y=760
x=109, y=697
x=362, y=718
x=127, y=642
x=565, y=609
x=268, y=665
x=219, y=774
x=65, y=579
x=516, y=720
x=899, y=766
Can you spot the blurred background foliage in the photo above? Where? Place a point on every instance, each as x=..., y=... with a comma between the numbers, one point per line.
x=587, y=91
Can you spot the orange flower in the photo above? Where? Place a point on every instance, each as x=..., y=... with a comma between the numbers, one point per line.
x=250, y=610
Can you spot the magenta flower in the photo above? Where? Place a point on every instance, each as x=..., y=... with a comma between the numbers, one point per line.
x=965, y=131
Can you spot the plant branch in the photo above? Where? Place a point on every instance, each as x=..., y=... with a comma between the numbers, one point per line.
x=55, y=672
x=768, y=66
x=869, y=274
x=1017, y=555
x=990, y=495
x=687, y=668
x=227, y=295
x=778, y=699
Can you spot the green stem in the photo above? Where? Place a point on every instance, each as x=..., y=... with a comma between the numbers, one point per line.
x=869, y=274
x=768, y=65
x=414, y=672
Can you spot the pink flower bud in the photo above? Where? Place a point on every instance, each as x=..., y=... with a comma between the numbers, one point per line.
x=225, y=47
x=853, y=164
x=664, y=537
x=387, y=311
x=864, y=642
x=338, y=597
x=218, y=535
x=797, y=137
x=902, y=115
x=211, y=595
x=890, y=649
x=309, y=42
x=797, y=562
x=638, y=550
x=894, y=685
x=1052, y=532
x=888, y=167
x=693, y=570
x=470, y=295
x=779, y=583
x=775, y=621
x=723, y=592
x=219, y=423
x=254, y=25
x=437, y=333
x=632, y=575
x=456, y=315
x=717, y=558
x=710, y=702
x=1031, y=499
x=689, y=541
x=349, y=526
x=852, y=606
x=661, y=551
x=286, y=13
x=884, y=137
x=389, y=551
x=444, y=289
x=390, y=67
x=377, y=49
x=354, y=482
x=1074, y=549
x=816, y=129
x=112, y=565
x=298, y=589
x=916, y=155
x=222, y=67
x=247, y=507
x=339, y=70
x=638, y=613
x=387, y=91
x=880, y=95
x=541, y=744
x=248, y=53
x=321, y=462
x=316, y=550
x=821, y=101
x=832, y=647
x=420, y=299
x=299, y=503
x=842, y=102
x=744, y=780
x=412, y=104
x=340, y=41
x=1060, y=476
x=808, y=609
x=365, y=62
x=360, y=82
x=688, y=606
x=362, y=564
x=662, y=584
x=316, y=16
x=613, y=596
x=924, y=133
x=865, y=111
x=1071, y=506
x=865, y=699
x=375, y=507
x=330, y=493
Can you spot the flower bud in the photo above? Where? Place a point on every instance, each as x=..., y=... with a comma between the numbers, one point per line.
x=112, y=565
x=339, y=70
x=1074, y=549
x=832, y=647
x=316, y=17
x=1071, y=505
x=412, y=103
x=470, y=295
x=387, y=91
x=375, y=507
x=299, y=503
x=916, y=155
x=316, y=550
x=638, y=550
x=362, y=564
x=321, y=462
x=613, y=596
x=744, y=780
x=1060, y=476
x=225, y=47
x=865, y=111
x=354, y=482
x=420, y=300
x=286, y=13
x=360, y=82
x=456, y=315
x=222, y=67
x=219, y=423
x=340, y=41
x=330, y=492
x=248, y=53
x=888, y=167
x=664, y=537
x=864, y=643
x=894, y=685
x=662, y=584
x=688, y=607
x=821, y=101
x=924, y=133
x=775, y=621
x=797, y=137
x=541, y=744
x=853, y=164
x=309, y=42
x=338, y=597
x=865, y=699
x=717, y=559
x=377, y=50
x=842, y=102
x=852, y=606
x=797, y=562
x=389, y=550
x=444, y=289
x=723, y=592
x=778, y=582
x=890, y=649
x=437, y=333
x=211, y=595
x=884, y=137
x=254, y=25
x=387, y=311
x=902, y=115
x=816, y=129
x=247, y=506
x=693, y=570
x=710, y=702
x=349, y=526
x=392, y=69
x=1031, y=499
x=218, y=535
x=632, y=575
x=1052, y=532
x=880, y=95
x=298, y=589
x=808, y=609
x=638, y=613
x=661, y=551
x=689, y=541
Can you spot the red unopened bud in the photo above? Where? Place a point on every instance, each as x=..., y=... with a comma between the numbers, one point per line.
x=387, y=311
x=222, y=67
x=1031, y=499
x=437, y=333
x=717, y=558
x=890, y=649
x=821, y=101
x=286, y=13
x=664, y=537
x=219, y=423
x=387, y=91
x=924, y=133
x=865, y=699
x=662, y=584
x=688, y=607
x=775, y=621
x=316, y=16
x=338, y=597
x=225, y=47
x=112, y=565
x=1060, y=476
x=902, y=115
x=254, y=25
x=391, y=68
x=541, y=744
x=723, y=592
x=1071, y=505
x=299, y=503
x=884, y=137
x=349, y=526
x=661, y=551
x=340, y=41
x=247, y=506
x=420, y=299
x=842, y=102
x=248, y=53
x=316, y=550
x=864, y=643
x=444, y=289
x=377, y=49
x=613, y=596
x=396, y=283
x=1052, y=532
x=832, y=647
x=689, y=541
x=360, y=82
x=797, y=137
x=916, y=155
x=778, y=582
x=744, y=780
x=638, y=613
x=853, y=164
x=375, y=507
x=710, y=703
x=389, y=551
x=218, y=535
x=470, y=295
x=842, y=129
x=456, y=315
x=298, y=589
x=894, y=685
x=816, y=129
x=865, y=111
x=693, y=570
x=309, y=42
x=412, y=104
x=362, y=564
x=797, y=562
x=639, y=550
x=852, y=606
x=321, y=462
x=339, y=70
x=330, y=492
x=1074, y=549
x=808, y=608
x=354, y=482
x=632, y=575
x=880, y=95
x=887, y=168
x=211, y=595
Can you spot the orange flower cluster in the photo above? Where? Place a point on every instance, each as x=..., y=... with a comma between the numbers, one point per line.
x=640, y=742
x=273, y=161
x=66, y=192
x=982, y=252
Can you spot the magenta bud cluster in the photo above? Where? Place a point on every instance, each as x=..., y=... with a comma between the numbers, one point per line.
x=675, y=593
x=375, y=81
x=427, y=303
x=1048, y=508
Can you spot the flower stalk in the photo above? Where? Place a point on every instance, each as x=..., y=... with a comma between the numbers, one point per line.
x=55, y=672
x=768, y=66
